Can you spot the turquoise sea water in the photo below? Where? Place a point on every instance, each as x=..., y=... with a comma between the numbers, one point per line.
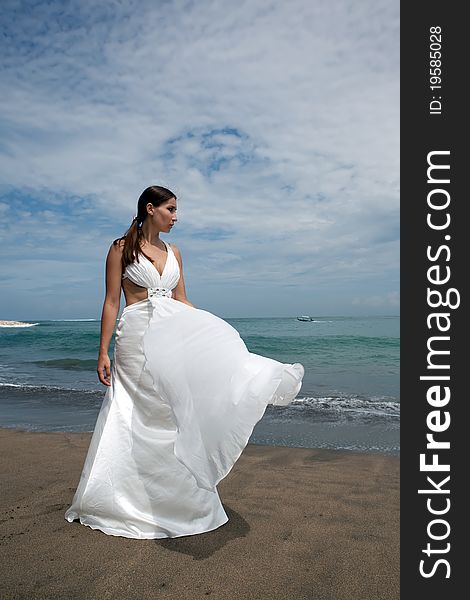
x=349, y=398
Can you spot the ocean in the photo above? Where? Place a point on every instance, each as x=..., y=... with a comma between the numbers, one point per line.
x=349, y=398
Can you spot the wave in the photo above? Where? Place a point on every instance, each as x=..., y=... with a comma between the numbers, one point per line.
x=27, y=399
x=316, y=321
x=318, y=408
x=329, y=340
x=353, y=403
x=28, y=387
x=322, y=346
x=319, y=321
x=348, y=407
x=68, y=364
x=16, y=324
x=49, y=427
x=70, y=320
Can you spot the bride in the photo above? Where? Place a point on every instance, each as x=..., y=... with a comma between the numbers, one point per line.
x=183, y=394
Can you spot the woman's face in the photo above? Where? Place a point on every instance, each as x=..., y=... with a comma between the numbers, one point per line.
x=163, y=217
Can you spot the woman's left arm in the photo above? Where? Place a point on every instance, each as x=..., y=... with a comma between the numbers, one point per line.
x=179, y=292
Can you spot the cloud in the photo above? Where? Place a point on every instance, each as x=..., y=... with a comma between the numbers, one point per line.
x=390, y=300
x=276, y=124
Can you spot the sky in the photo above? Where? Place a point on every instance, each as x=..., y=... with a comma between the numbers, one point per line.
x=276, y=124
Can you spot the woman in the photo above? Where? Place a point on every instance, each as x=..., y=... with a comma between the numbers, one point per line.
x=183, y=397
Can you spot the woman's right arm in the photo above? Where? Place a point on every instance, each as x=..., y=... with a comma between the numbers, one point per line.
x=110, y=310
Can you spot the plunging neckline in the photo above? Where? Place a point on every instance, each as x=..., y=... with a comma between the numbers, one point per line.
x=167, y=246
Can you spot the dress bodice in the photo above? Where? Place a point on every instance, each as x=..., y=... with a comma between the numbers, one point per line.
x=145, y=274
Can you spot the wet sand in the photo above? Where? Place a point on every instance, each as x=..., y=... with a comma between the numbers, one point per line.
x=304, y=524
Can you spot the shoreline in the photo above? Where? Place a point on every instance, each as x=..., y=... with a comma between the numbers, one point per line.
x=253, y=442
x=322, y=435
x=302, y=522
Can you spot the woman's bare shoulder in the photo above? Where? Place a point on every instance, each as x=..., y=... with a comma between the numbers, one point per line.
x=116, y=249
x=118, y=243
x=117, y=246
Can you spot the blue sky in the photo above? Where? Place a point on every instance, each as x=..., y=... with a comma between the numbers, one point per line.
x=275, y=123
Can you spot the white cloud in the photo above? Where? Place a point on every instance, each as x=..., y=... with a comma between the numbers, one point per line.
x=276, y=123
x=390, y=300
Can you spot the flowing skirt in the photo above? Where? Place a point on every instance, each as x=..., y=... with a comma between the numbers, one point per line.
x=184, y=398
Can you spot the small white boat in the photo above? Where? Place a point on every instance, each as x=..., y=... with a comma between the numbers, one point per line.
x=304, y=318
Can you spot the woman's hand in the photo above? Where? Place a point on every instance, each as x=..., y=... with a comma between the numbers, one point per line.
x=104, y=369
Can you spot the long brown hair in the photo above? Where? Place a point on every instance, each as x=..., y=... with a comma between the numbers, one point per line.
x=156, y=195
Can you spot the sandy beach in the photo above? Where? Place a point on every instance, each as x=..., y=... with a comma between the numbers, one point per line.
x=304, y=524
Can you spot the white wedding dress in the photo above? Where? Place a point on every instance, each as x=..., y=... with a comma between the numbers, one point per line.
x=184, y=398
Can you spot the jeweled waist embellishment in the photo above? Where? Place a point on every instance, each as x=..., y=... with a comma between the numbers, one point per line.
x=156, y=292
